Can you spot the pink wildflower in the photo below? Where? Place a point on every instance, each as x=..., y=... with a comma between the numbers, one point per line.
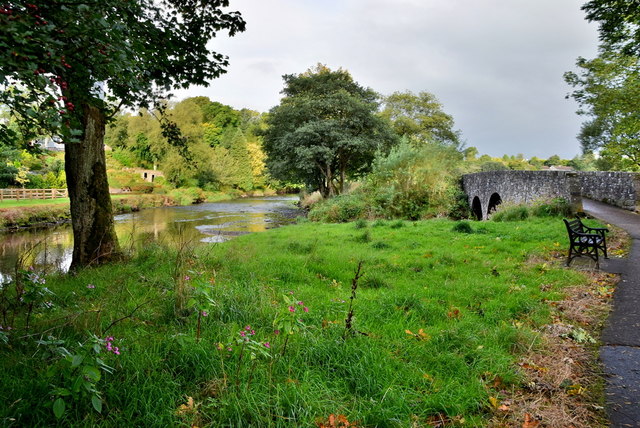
x=205, y=313
x=252, y=332
x=276, y=332
x=267, y=345
x=187, y=277
x=243, y=333
x=305, y=309
x=248, y=328
x=292, y=309
x=91, y=286
x=300, y=303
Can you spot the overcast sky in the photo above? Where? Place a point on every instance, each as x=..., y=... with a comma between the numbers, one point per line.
x=496, y=65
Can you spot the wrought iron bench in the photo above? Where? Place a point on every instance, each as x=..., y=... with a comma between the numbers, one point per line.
x=585, y=241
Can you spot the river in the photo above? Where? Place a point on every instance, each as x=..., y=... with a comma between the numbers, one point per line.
x=49, y=250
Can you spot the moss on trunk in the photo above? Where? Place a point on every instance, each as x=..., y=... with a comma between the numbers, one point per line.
x=95, y=240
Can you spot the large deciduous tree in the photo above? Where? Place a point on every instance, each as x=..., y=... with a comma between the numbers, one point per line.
x=420, y=118
x=619, y=23
x=67, y=65
x=324, y=130
x=608, y=92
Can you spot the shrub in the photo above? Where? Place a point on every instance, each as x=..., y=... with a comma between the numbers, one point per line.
x=509, y=212
x=360, y=224
x=364, y=238
x=557, y=207
x=340, y=209
x=462, y=227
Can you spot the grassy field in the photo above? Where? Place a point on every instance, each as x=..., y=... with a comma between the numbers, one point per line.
x=388, y=324
x=11, y=203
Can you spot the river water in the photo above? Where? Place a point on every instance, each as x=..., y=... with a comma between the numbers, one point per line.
x=50, y=249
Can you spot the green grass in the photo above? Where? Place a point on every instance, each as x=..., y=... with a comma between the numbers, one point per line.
x=8, y=203
x=438, y=315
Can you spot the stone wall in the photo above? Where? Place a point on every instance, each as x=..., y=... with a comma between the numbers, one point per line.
x=522, y=187
x=615, y=188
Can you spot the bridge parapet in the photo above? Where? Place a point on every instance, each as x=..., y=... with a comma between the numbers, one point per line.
x=621, y=189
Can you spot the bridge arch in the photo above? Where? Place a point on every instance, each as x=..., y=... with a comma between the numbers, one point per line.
x=476, y=208
x=494, y=201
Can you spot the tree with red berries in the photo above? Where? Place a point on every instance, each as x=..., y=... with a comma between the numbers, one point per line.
x=66, y=66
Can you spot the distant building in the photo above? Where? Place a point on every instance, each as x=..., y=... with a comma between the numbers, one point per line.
x=51, y=144
x=149, y=175
x=557, y=168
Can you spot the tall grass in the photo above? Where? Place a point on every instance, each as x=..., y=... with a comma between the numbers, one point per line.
x=437, y=317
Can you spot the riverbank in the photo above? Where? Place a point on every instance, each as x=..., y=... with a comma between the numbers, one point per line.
x=383, y=324
x=17, y=215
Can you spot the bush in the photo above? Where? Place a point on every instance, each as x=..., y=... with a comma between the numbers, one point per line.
x=462, y=227
x=340, y=209
x=360, y=224
x=508, y=212
x=557, y=207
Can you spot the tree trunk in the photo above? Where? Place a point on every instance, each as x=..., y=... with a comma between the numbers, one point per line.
x=94, y=236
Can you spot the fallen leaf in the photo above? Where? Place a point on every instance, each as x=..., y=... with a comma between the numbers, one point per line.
x=530, y=421
x=494, y=402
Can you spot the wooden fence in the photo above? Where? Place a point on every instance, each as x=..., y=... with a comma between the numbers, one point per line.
x=17, y=194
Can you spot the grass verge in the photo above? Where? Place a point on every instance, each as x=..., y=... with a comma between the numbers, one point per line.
x=282, y=328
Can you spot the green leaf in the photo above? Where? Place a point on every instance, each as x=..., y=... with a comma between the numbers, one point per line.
x=77, y=384
x=77, y=360
x=92, y=373
x=97, y=403
x=61, y=392
x=58, y=408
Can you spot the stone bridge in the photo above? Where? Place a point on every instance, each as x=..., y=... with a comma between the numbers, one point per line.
x=486, y=190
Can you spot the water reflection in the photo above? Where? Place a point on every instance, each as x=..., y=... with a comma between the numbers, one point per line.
x=50, y=249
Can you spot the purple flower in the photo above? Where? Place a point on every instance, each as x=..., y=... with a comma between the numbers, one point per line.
x=300, y=303
x=276, y=332
x=205, y=313
x=252, y=332
x=91, y=286
x=243, y=333
x=187, y=277
x=267, y=345
x=248, y=328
